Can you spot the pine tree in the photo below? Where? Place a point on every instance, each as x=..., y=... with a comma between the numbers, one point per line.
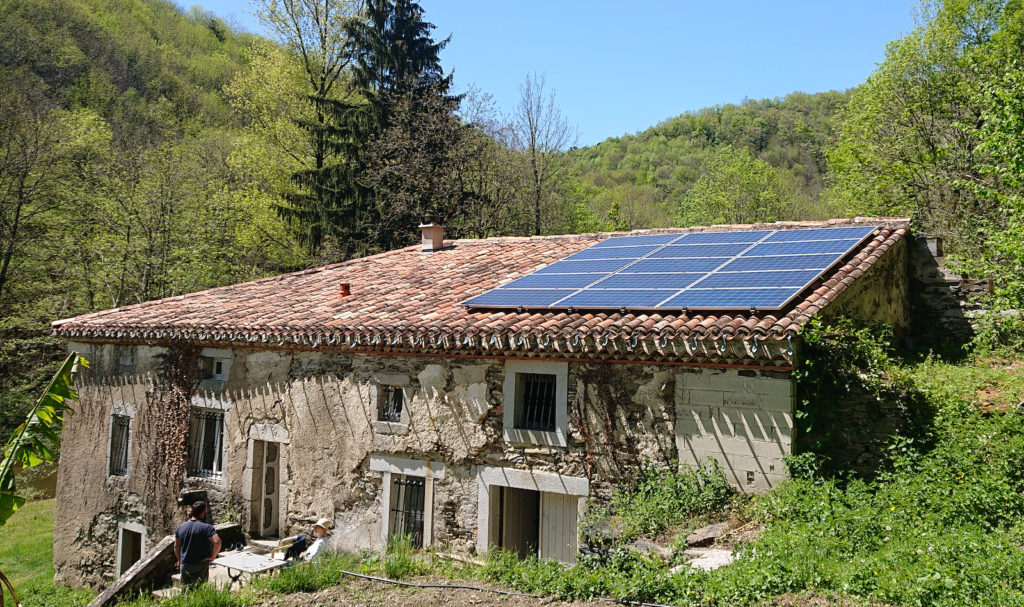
x=403, y=117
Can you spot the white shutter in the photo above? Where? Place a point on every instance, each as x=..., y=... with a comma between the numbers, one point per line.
x=558, y=526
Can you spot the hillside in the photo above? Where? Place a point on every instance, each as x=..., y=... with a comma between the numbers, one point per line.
x=119, y=180
x=650, y=174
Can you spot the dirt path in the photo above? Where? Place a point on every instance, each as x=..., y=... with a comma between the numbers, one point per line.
x=366, y=593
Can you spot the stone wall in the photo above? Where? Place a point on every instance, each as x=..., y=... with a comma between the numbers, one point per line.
x=943, y=301
x=324, y=407
x=881, y=294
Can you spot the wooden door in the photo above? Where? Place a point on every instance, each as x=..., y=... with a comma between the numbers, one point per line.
x=558, y=526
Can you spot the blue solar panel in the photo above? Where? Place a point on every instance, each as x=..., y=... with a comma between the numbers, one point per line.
x=729, y=298
x=786, y=262
x=603, y=266
x=612, y=253
x=648, y=281
x=627, y=241
x=702, y=270
x=856, y=233
x=554, y=281
x=676, y=265
x=797, y=248
x=700, y=250
x=790, y=278
x=722, y=237
x=501, y=298
x=614, y=298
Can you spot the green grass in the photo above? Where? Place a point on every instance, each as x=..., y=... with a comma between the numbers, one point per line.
x=27, y=558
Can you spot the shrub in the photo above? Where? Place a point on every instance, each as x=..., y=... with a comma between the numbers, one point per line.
x=661, y=497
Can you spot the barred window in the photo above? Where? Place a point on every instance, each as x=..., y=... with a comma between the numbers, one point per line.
x=535, y=401
x=390, y=400
x=206, y=440
x=119, y=426
x=407, y=499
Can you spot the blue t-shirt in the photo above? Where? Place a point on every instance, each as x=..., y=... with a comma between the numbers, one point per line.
x=194, y=536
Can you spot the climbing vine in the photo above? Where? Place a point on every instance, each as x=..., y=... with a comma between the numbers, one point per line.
x=171, y=401
x=840, y=361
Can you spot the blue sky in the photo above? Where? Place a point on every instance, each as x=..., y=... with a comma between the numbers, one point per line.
x=620, y=67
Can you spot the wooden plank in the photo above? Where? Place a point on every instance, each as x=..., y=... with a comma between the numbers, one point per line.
x=153, y=569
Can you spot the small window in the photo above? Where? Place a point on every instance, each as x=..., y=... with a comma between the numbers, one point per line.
x=535, y=401
x=119, y=427
x=407, y=502
x=390, y=400
x=218, y=369
x=206, y=441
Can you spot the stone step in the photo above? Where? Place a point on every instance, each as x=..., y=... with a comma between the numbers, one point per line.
x=166, y=593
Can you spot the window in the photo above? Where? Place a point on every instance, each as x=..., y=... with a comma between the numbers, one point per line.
x=218, y=369
x=536, y=402
x=389, y=403
x=119, y=427
x=206, y=438
x=407, y=500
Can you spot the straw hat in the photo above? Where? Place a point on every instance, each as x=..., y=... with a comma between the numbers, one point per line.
x=325, y=524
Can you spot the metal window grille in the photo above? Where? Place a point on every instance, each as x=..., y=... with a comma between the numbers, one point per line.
x=207, y=431
x=536, y=403
x=390, y=400
x=407, y=514
x=119, y=426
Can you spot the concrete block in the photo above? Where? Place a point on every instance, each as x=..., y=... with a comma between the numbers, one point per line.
x=706, y=397
x=693, y=381
x=735, y=383
x=738, y=399
x=769, y=386
x=775, y=402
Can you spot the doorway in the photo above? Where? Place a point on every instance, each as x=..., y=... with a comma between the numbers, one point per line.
x=266, y=487
x=520, y=521
x=129, y=548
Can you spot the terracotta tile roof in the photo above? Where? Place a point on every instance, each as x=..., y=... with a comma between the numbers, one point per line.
x=407, y=301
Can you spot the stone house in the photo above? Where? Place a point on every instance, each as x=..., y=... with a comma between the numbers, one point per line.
x=364, y=392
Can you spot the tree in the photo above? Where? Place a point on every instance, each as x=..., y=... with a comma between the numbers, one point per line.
x=316, y=31
x=737, y=188
x=541, y=133
x=908, y=138
x=396, y=82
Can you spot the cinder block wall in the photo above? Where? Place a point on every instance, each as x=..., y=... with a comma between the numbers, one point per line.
x=743, y=419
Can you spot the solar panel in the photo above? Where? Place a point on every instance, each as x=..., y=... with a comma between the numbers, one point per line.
x=762, y=269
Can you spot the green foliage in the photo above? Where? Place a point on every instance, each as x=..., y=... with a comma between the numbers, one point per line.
x=650, y=174
x=322, y=572
x=736, y=187
x=662, y=497
x=840, y=359
x=27, y=558
x=205, y=595
x=35, y=440
x=400, y=560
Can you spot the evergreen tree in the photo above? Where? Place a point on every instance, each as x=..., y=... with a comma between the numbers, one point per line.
x=402, y=115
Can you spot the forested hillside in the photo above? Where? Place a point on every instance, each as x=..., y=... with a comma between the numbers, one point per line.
x=122, y=170
x=760, y=159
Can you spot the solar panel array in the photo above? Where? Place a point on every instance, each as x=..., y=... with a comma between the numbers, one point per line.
x=762, y=269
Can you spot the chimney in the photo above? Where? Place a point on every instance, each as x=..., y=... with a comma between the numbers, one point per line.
x=433, y=237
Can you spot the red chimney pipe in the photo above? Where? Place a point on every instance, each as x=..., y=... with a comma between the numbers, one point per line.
x=344, y=290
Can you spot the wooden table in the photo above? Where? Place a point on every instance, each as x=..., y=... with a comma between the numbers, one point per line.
x=247, y=562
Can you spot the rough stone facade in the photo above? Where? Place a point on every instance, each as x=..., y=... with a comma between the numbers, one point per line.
x=323, y=408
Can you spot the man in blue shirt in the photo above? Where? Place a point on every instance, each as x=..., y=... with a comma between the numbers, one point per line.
x=196, y=544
